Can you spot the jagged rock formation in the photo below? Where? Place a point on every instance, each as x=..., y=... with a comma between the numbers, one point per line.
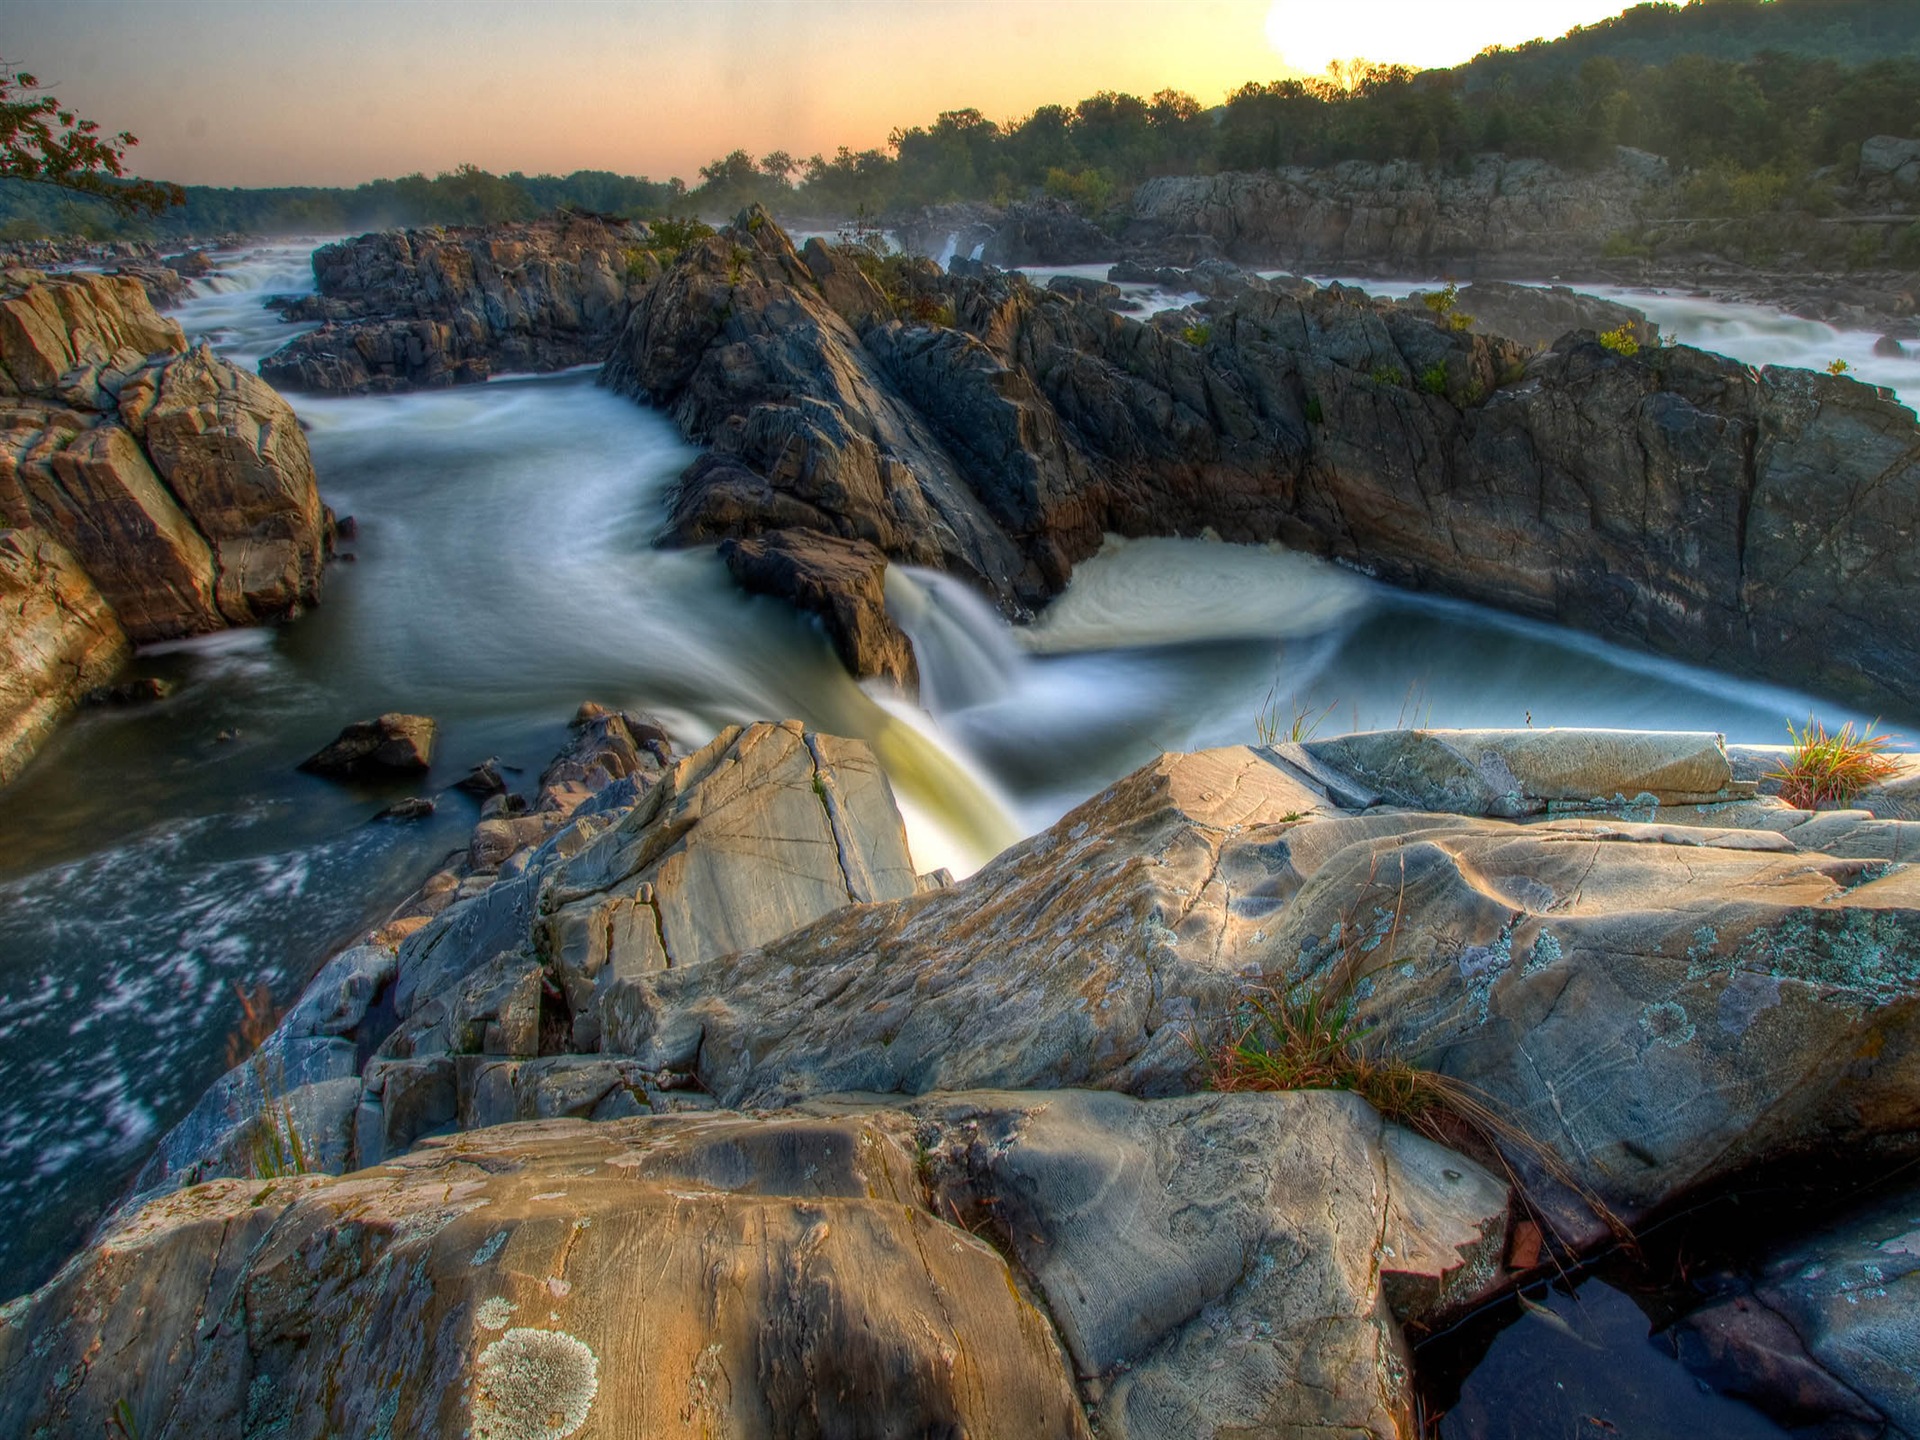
x=182, y=486
x=1721, y=983
x=407, y=309
x=1672, y=500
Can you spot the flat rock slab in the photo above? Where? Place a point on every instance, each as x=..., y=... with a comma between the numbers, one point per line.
x=1513, y=773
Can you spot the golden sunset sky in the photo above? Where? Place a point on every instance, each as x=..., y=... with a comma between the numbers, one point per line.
x=334, y=92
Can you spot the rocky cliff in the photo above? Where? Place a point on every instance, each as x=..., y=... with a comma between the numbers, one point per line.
x=1528, y=216
x=405, y=309
x=1669, y=499
x=706, y=1113
x=181, y=485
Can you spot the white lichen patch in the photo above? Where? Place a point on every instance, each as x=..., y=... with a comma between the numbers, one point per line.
x=533, y=1385
x=494, y=1313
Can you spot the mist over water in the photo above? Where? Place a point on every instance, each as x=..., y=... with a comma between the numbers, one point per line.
x=504, y=571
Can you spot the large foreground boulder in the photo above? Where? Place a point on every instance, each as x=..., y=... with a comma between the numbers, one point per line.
x=1215, y=1266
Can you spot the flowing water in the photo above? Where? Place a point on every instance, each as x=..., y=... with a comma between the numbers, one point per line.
x=151, y=860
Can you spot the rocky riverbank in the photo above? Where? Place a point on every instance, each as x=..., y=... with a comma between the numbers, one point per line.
x=1667, y=498
x=1845, y=258
x=947, y=1154
x=151, y=491
x=407, y=309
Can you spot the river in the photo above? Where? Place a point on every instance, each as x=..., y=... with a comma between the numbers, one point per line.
x=157, y=858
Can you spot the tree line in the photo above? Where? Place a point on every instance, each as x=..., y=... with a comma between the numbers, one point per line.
x=1750, y=99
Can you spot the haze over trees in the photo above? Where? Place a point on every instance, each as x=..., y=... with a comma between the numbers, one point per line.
x=1750, y=99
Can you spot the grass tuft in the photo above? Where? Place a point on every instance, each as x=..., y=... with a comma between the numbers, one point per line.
x=1831, y=769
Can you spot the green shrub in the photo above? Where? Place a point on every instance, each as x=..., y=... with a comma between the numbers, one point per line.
x=1442, y=302
x=1315, y=416
x=1197, y=335
x=1838, y=367
x=1385, y=375
x=1433, y=379
x=1620, y=340
x=673, y=235
x=1863, y=249
x=1626, y=245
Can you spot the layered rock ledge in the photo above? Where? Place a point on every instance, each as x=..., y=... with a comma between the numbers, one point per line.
x=706, y=1092
x=1672, y=500
x=152, y=491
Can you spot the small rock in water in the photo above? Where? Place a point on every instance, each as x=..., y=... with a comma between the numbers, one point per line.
x=414, y=807
x=226, y=737
x=346, y=528
x=1889, y=348
x=392, y=744
x=130, y=692
x=484, y=779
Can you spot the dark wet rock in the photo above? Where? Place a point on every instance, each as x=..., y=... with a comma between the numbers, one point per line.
x=1047, y=232
x=484, y=779
x=390, y=744
x=414, y=807
x=411, y=309
x=841, y=581
x=143, y=691
x=1889, y=348
x=1829, y=1334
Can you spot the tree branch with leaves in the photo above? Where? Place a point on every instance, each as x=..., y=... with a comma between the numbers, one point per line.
x=43, y=142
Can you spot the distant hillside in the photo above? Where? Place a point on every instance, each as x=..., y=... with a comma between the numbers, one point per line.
x=1849, y=32
x=1762, y=106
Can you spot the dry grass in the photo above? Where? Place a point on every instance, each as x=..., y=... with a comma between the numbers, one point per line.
x=257, y=1020
x=1831, y=769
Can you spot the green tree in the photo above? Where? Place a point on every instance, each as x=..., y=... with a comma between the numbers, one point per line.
x=46, y=144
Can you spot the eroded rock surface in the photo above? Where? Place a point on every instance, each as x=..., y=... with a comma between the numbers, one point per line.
x=58, y=640
x=407, y=309
x=182, y=487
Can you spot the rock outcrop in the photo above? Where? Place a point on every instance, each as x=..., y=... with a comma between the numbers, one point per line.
x=182, y=486
x=1538, y=315
x=1521, y=216
x=1671, y=500
x=407, y=309
x=818, y=1086
x=58, y=640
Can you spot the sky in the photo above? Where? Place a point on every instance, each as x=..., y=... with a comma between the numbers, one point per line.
x=335, y=92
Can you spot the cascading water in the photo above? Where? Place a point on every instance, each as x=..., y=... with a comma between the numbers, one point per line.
x=503, y=572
